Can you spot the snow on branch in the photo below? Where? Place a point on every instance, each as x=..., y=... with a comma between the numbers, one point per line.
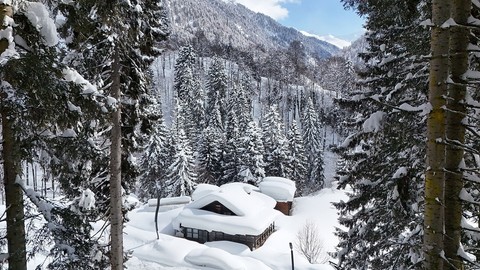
x=476, y=3
x=71, y=75
x=423, y=108
x=471, y=74
x=39, y=16
x=448, y=23
x=473, y=21
x=465, y=196
x=373, y=123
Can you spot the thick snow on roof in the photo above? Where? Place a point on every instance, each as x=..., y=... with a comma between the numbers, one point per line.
x=202, y=190
x=254, y=211
x=279, y=188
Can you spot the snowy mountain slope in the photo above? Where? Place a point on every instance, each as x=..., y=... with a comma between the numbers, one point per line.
x=233, y=24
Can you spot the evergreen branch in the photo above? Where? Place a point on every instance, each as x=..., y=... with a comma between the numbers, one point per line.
x=460, y=145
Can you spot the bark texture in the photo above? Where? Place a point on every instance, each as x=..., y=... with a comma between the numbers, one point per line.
x=434, y=178
x=11, y=168
x=455, y=133
x=116, y=217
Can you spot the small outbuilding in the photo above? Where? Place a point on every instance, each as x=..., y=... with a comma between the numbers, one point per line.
x=281, y=189
x=233, y=212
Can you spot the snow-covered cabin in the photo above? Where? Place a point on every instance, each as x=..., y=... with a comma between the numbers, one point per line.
x=232, y=212
x=281, y=189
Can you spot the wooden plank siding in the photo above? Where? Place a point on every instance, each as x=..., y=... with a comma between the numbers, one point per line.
x=252, y=241
x=284, y=207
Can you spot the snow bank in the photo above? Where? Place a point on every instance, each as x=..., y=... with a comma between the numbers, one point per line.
x=279, y=188
x=214, y=258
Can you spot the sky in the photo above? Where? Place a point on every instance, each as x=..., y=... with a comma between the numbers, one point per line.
x=317, y=17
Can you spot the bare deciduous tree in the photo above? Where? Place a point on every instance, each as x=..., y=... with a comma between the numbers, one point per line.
x=310, y=244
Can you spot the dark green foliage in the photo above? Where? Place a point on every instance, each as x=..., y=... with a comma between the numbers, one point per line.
x=298, y=157
x=384, y=155
x=312, y=136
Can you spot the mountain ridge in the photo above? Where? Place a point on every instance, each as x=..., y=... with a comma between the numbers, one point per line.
x=227, y=22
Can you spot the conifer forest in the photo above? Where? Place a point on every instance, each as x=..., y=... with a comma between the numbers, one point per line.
x=111, y=108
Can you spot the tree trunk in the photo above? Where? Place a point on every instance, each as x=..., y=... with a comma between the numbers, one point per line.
x=455, y=133
x=434, y=177
x=116, y=217
x=17, y=259
x=14, y=197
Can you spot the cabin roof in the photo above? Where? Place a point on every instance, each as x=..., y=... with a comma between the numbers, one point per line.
x=279, y=188
x=254, y=211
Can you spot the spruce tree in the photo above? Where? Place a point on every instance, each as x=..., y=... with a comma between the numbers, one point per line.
x=298, y=158
x=275, y=143
x=384, y=153
x=189, y=92
x=45, y=106
x=217, y=87
x=181, y=176
x=312, y=135
x=252, y=151
x=154, y=163
x=116, y=48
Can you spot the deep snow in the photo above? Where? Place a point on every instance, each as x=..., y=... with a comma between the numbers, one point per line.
x=170, y=251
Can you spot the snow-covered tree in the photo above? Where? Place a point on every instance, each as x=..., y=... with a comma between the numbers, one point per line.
x=251, y=153
x=312, y=136
x=210, y=155
x=189, y=92
x=154, y=163
x=384, y=153
x=45, y=106
x=115, y=42
x=276, y=144
x=298, y=158
x=216, y=88
x=181, y=176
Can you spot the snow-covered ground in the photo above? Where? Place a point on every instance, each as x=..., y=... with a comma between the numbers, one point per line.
x=170, y=251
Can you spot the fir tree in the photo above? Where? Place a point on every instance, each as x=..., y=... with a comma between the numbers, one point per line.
x=181, y=176
x=312, y=135
x=189, y=92
x=116, y=48
x=217, y=87
x=210, y=155
x=154, y=163
x=298, y=158
x=275, y=143
x=384, y=153
x=251, y=152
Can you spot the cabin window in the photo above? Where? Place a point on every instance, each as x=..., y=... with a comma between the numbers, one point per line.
x=191, y=233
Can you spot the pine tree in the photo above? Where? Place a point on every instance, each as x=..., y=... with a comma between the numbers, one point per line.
x=189, y=92
x=181, y=176
x=116, y=48
x=298, y=158
x=385, y=152
x=43, y=112
x=154, y=163
x=275, y=143
x=231, y=165
x=435, y=174
x=251, y=153
x=210, y=155
x=217, y=87
x=311, y=134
